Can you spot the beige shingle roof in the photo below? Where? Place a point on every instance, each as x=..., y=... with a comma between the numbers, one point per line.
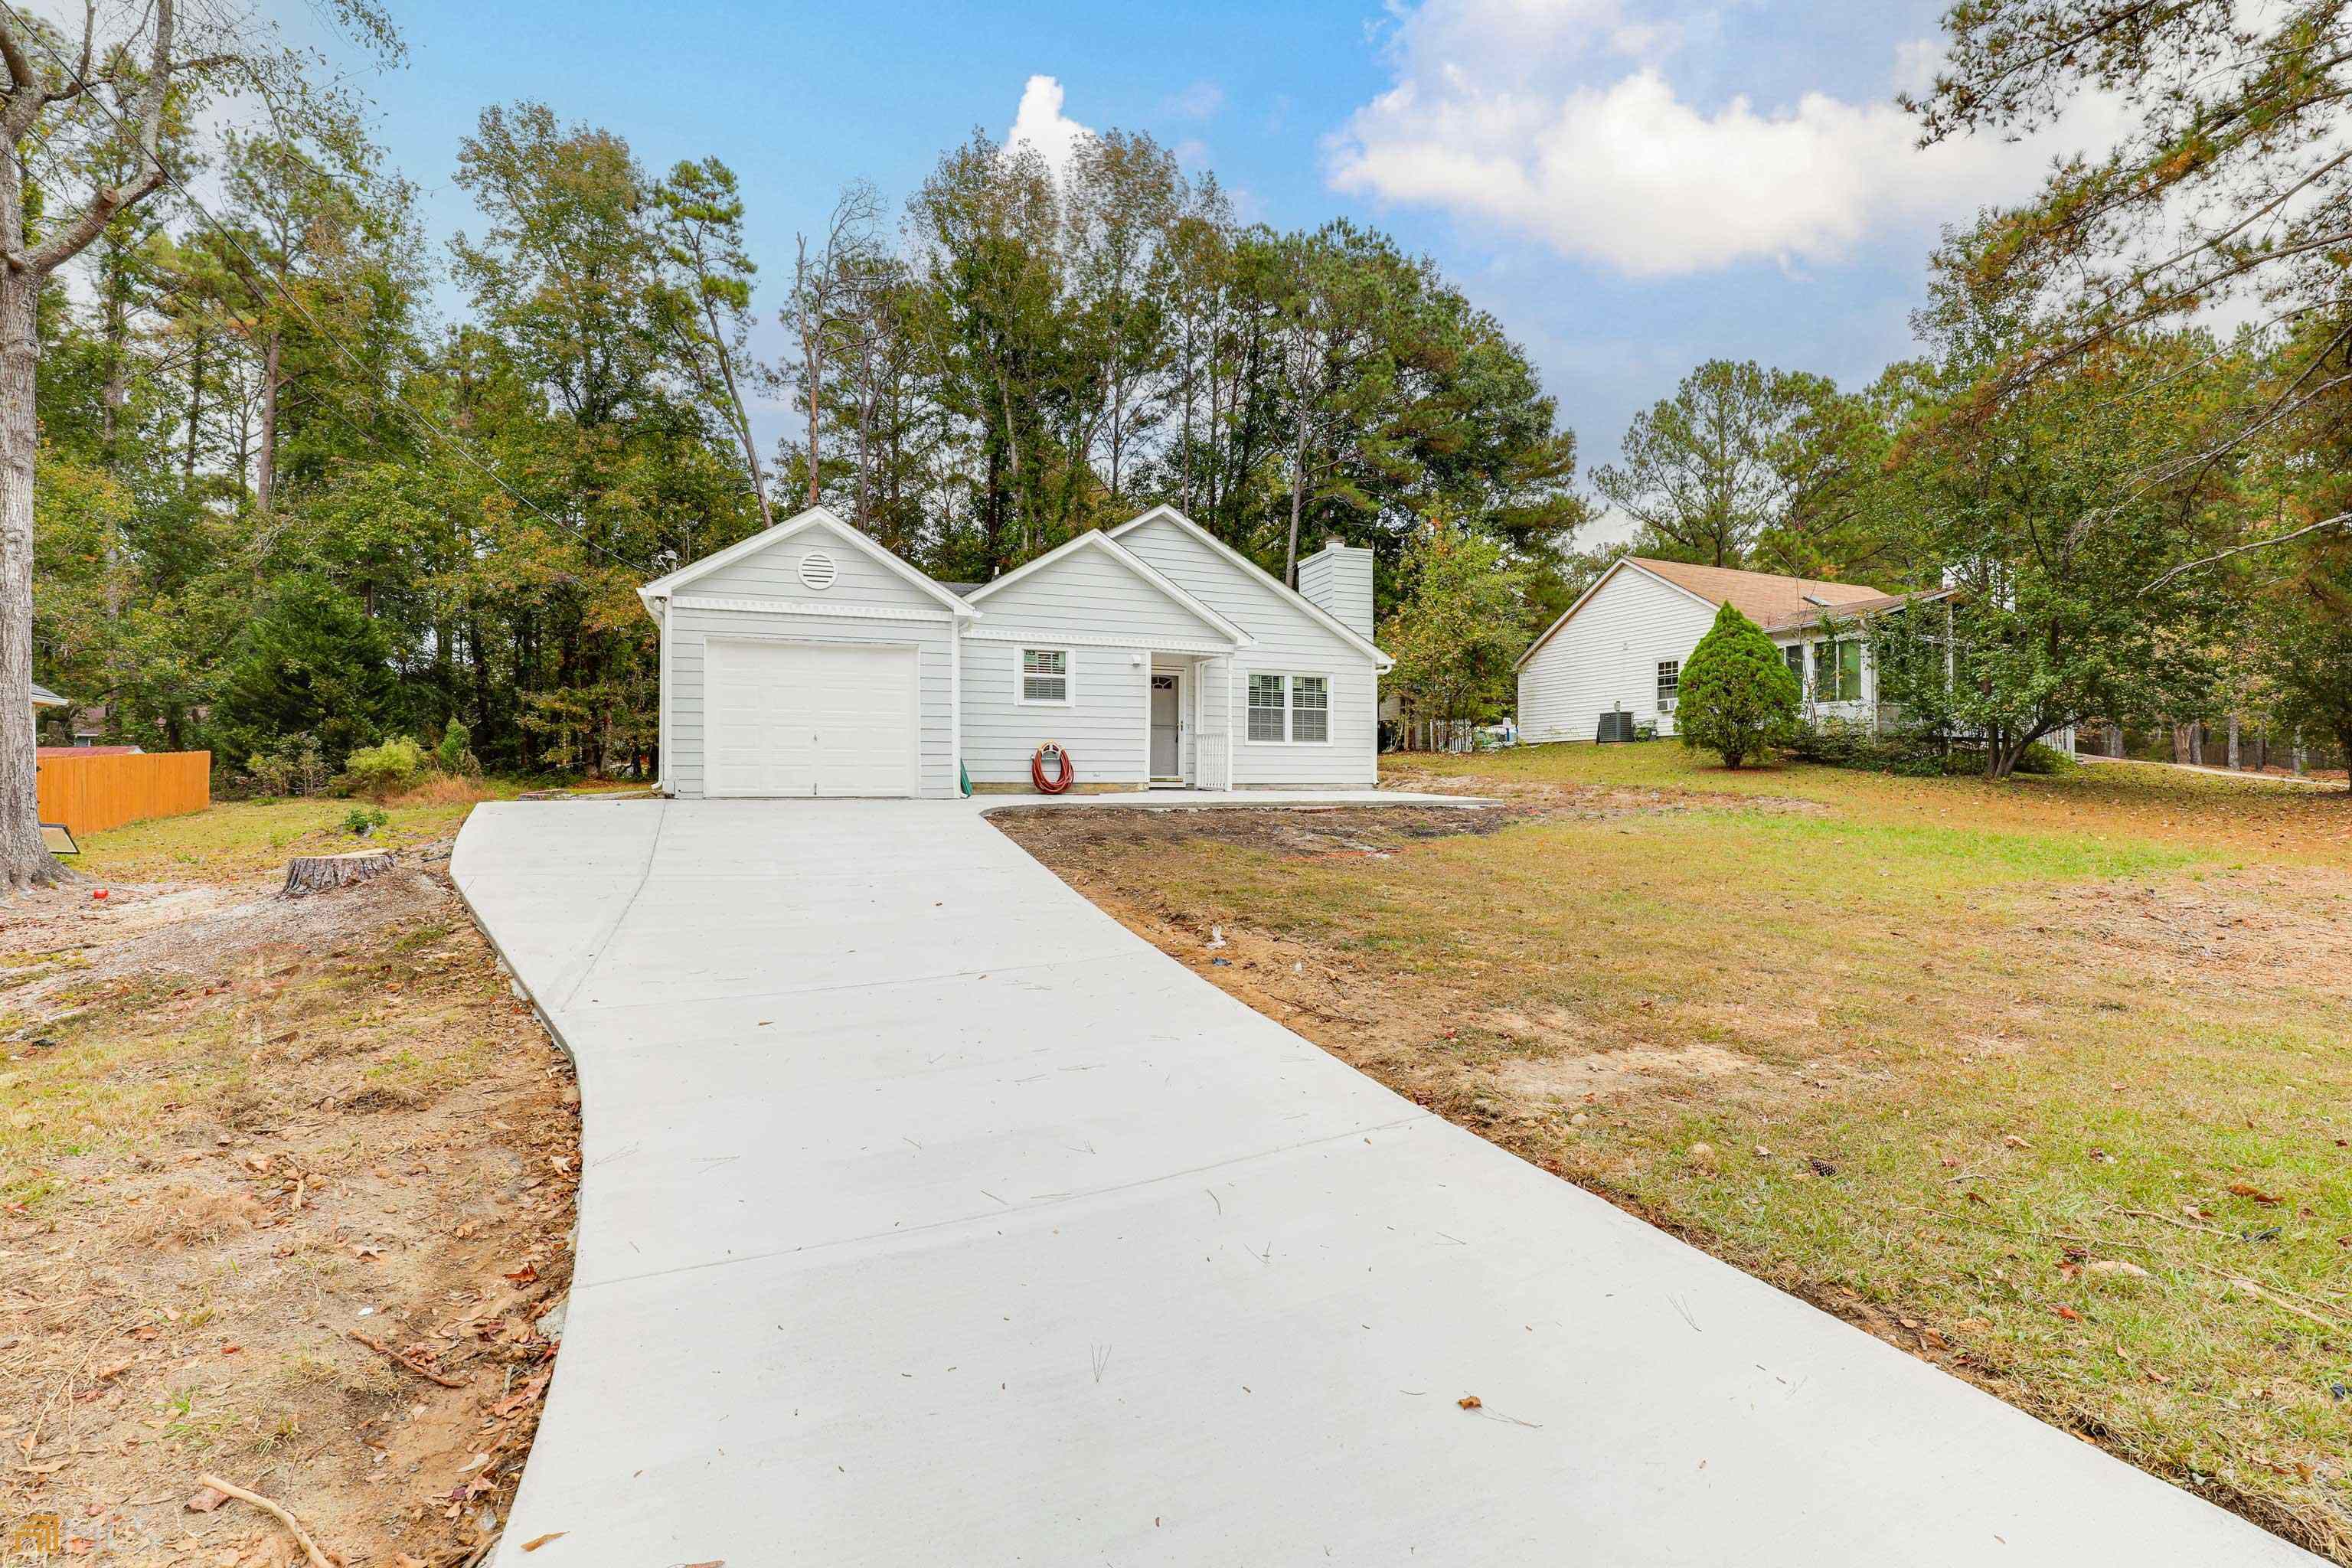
x=1770, y=600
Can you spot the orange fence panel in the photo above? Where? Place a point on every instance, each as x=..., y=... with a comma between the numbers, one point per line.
x=91, y=795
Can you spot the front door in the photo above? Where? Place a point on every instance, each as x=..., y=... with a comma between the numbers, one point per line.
x=1167, y=727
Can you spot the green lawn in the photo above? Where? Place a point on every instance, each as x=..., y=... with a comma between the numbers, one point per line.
x=235, y=840
x=2049, y=1080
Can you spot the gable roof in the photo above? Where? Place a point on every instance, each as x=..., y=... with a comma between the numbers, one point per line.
x=668, y=587
x=1773, y=602
x=1765, y=597
x=45, y=698
x=1313, y=611
x=1100, y=543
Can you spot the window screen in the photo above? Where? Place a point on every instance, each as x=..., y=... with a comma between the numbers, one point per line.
x=1310, y=708
x=1265, y=708
x=1044, y=675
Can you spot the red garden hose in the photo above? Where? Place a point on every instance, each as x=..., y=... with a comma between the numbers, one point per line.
x=1061, y=780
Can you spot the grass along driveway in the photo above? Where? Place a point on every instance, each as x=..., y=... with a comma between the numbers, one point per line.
x=236, y=1131
x=2045, y=1082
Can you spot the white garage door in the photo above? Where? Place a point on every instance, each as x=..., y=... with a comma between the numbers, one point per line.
x=792, y=717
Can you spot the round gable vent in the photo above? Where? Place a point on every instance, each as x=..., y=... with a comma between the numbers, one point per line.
x=818, y=571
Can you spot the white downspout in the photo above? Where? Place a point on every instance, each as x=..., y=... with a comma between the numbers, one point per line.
x=660, y=608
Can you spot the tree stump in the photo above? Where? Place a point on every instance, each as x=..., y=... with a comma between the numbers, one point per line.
x=308, y=874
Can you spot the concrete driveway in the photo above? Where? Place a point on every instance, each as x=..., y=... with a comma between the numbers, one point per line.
x=929, y=1216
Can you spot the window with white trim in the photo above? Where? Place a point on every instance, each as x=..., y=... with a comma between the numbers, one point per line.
x=1046, y=675
x=1296, y=709
x=1310, y=708
x=1265, y=708
x=1795, y=656
x=1670, y=681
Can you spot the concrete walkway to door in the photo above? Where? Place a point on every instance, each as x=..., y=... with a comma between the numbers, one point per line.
x=929, y=1216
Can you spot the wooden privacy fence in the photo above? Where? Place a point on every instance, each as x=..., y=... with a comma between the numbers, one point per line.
x=91, y=795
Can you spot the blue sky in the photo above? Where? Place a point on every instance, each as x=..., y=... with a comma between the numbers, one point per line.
x=1631, y=186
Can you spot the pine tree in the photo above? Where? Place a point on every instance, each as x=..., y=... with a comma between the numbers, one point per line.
x=1737, y=695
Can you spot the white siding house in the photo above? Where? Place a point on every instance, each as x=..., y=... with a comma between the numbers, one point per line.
x=808, y=660
x=1622, y=646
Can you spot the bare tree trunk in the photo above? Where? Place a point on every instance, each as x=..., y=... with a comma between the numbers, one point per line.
x=196, y=407
x=265, y=473
x=2233, y=743
x=1298, y=497
x=24, y=859
x=813, y=358
x=735, y=406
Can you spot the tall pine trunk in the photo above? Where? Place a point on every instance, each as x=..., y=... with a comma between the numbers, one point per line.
x=24, y=859
x=265, y=483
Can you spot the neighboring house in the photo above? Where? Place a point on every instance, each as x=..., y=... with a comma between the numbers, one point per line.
x=45, y=698
x=1622, y=646
x=810, y=660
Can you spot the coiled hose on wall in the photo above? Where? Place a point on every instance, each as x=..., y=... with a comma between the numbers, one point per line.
x=1066, y=773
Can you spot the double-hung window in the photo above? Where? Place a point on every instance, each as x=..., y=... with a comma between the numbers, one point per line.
x=1670, y=681
x=1290, y=707
x=1795, y=654
x=1046, y=675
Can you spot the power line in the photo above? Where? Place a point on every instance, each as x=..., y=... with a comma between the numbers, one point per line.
x=424, y=422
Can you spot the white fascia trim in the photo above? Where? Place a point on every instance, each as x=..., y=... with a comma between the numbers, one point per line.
x=811, y=607
x=1139, y=644
x=1314, y=612
x=668, y=587
x=1099, y=541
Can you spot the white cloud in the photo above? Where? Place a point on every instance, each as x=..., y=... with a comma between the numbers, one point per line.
x=1201, y=100
x=1554, y=118
x=1039, y=123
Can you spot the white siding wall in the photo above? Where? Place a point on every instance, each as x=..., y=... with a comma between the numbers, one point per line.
x=1088, y=594
x=1607, y=656
x=1290, y=641
x=773, y=574
x=1338, y=580
x=1102, y=728
x=1109, y=619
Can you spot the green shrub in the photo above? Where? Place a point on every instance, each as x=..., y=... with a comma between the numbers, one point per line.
x=1834, y=742
x=2044, y=760
x=294, y=766
x=455, y=755
x=1736, y=697
x=385, y=769
x=362, y=820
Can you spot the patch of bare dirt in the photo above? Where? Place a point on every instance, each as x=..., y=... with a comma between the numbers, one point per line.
x=290, y=1188
x=1349, y=831
x=2261, y=924
x=1483, y=1061
x=1589, y=801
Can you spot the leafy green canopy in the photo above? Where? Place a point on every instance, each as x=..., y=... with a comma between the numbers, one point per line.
x=253, y=449
x=1737, y=697
x=1460, y=628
